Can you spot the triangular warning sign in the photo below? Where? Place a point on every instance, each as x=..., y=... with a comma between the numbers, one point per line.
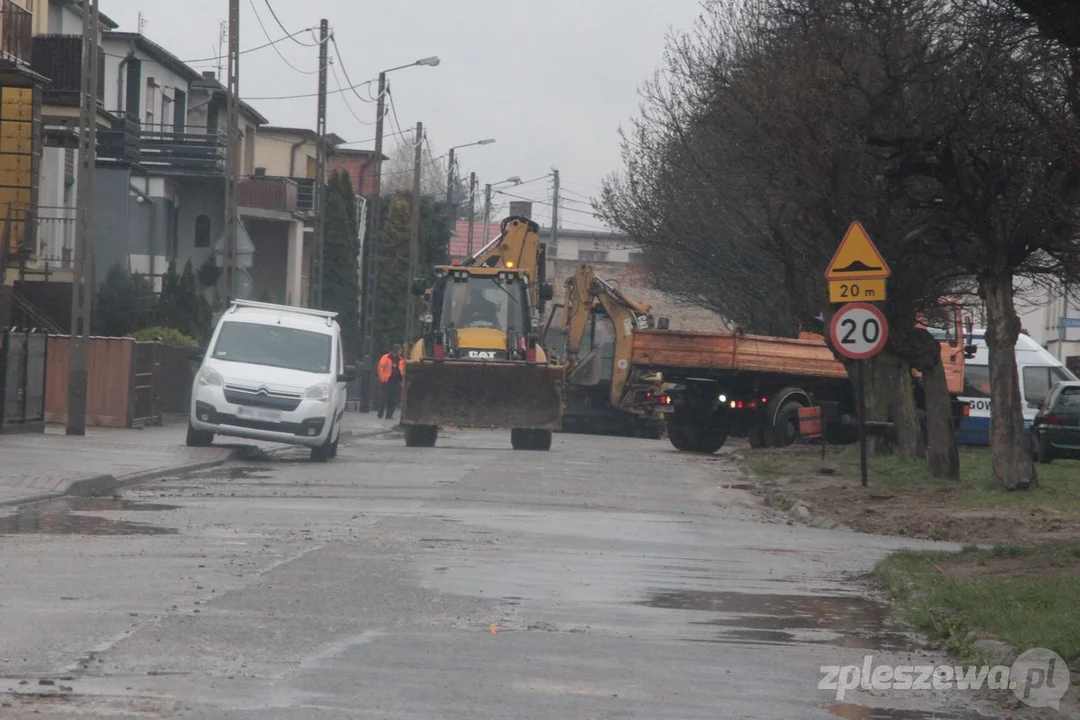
x=857, y=258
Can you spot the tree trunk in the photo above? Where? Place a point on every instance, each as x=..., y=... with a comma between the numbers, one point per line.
x=905, y=418
x=1013, y=468
x=879, y=388
x=940, y=433
x=919, y=348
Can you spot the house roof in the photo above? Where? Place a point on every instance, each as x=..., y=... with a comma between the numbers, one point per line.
x=357, y=152
x=208, y=81
x=102, y=17
x=305, y=133
x=459, y=241
x=155, y=51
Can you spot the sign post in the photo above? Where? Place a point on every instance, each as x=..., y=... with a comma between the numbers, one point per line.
x=856, y=276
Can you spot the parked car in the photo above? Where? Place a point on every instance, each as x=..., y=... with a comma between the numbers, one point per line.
x=1055, y=431
x=272, y=372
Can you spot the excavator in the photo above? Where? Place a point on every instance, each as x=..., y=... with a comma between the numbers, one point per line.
x=603, y=393
x=479, y=362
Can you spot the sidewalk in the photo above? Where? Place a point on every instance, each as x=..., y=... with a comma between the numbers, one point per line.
x=39, y=467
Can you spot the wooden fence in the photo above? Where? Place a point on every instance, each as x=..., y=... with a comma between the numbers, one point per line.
x=129, y=383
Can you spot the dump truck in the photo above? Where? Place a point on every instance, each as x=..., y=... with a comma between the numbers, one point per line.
x=604, y=394
x=738, y=385
x=479, y=362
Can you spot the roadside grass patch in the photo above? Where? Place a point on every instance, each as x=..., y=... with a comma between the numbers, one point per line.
x=1059, y=482
x=1025, y=596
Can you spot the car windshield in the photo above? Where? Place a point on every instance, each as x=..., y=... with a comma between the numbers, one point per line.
x=275, y=346
x=485, y=302
x=1069, y=398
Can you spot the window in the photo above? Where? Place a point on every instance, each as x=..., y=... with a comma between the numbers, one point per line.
x=202, y=231
x=274, y=346
x=1039, y=380
x=1069, y=397
x=976, y=381
x=484, y=302
x=150, y=102
x=592, y=255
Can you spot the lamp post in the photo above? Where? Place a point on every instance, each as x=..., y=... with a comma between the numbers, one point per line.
x=515, y=180
x=450, y=205
x=371, y=250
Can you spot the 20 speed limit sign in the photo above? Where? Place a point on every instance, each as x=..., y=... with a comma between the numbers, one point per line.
x=858, y=331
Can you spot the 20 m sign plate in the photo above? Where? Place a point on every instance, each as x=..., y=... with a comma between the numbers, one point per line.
x=858, y=331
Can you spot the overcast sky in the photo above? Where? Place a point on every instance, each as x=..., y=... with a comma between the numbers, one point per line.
x=551, y=80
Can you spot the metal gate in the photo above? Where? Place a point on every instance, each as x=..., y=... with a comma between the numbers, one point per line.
x=22, y=380
x=144, y=409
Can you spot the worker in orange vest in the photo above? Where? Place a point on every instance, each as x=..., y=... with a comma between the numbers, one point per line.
x=391, y=372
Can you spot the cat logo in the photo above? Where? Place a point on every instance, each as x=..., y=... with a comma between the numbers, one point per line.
x=482, y=354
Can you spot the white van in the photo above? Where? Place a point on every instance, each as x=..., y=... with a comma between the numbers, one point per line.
x=272, y=372
x=1039, y=371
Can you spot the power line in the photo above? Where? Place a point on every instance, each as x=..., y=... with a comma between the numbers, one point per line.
x=345, y=71
x=337, y=82
x=274, y=14
x=291, y=36
x=310, y=95
x=574, y=192
x=276, y=49
x=544, y=202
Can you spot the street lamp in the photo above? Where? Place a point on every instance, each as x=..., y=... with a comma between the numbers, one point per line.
x=513, y=180
x=371, y=248
x=450, y=206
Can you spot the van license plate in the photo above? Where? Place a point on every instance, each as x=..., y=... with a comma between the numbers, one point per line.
x=258, y=414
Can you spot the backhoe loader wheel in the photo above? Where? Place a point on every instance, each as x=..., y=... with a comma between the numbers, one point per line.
x=521, y=439
x=421, y=435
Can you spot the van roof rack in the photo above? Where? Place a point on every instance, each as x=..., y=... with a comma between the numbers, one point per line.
x=327, y=314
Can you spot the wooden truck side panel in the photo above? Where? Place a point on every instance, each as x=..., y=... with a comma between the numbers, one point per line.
x=670, y=349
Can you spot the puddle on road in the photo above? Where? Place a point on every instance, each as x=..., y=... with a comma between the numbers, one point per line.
x=850, y=711
x=57, y=517
x=846, y=621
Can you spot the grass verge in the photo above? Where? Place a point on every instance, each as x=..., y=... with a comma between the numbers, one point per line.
x=1024, y=596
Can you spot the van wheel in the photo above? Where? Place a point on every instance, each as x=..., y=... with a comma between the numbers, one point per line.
x=421, y=435
x=325, y=451
x=199, y=438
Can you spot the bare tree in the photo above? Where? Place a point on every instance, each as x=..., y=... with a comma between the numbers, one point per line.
x=397, y=172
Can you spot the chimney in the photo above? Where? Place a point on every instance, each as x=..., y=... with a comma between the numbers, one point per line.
x=260, y=172
x=521, y=208
x=209, y=75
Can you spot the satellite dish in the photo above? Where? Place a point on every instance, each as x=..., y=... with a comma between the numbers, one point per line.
x=244, y=284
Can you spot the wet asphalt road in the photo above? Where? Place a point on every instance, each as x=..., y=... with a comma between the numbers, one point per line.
x=607, y=578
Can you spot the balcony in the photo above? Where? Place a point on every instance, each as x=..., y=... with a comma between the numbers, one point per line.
x=16, y=28
x=268, y=193
x=163, y=149
x=305, y=195
x=55, y=236
x=59, y=58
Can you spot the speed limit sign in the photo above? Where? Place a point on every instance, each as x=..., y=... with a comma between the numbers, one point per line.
x=858, y=331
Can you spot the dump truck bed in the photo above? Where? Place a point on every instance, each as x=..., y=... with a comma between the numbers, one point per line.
x=669, y=350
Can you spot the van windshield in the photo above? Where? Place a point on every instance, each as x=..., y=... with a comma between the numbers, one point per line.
x=274, y=346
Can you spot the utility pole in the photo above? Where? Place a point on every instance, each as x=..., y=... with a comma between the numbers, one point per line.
x=451, y=215
x=472, y=209
x=554, y=210
x=368, y=388
x=320, y=166
x=487, y=216
x=232, y=173
x=82, y=290
x=414, y=235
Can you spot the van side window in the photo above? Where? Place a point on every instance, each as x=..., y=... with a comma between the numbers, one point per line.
x=976, y=380
x=1037, y=383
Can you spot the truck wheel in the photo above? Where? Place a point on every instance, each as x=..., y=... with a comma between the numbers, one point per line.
x=523, y=439
x=199, y=438
x=758, y=437
x=785, y=429
x=681, y=436
x=421, y=435
x=709, y=441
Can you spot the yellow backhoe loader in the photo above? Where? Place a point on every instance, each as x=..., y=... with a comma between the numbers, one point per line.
x=603, y=393
x=479, y=362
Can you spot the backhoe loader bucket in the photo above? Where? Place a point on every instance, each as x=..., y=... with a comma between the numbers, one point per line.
x=489, y=394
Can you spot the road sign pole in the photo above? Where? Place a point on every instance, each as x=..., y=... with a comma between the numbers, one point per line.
x=862, y=419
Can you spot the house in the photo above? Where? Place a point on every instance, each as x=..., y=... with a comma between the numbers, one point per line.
x=44, y=253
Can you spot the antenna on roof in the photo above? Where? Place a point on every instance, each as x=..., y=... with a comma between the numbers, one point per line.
x=142, y=22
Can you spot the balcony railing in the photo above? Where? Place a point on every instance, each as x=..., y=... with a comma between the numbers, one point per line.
x=59, y=58
x=16, y=28
x=268, y=193
x=164, y=149
x=56, y=236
